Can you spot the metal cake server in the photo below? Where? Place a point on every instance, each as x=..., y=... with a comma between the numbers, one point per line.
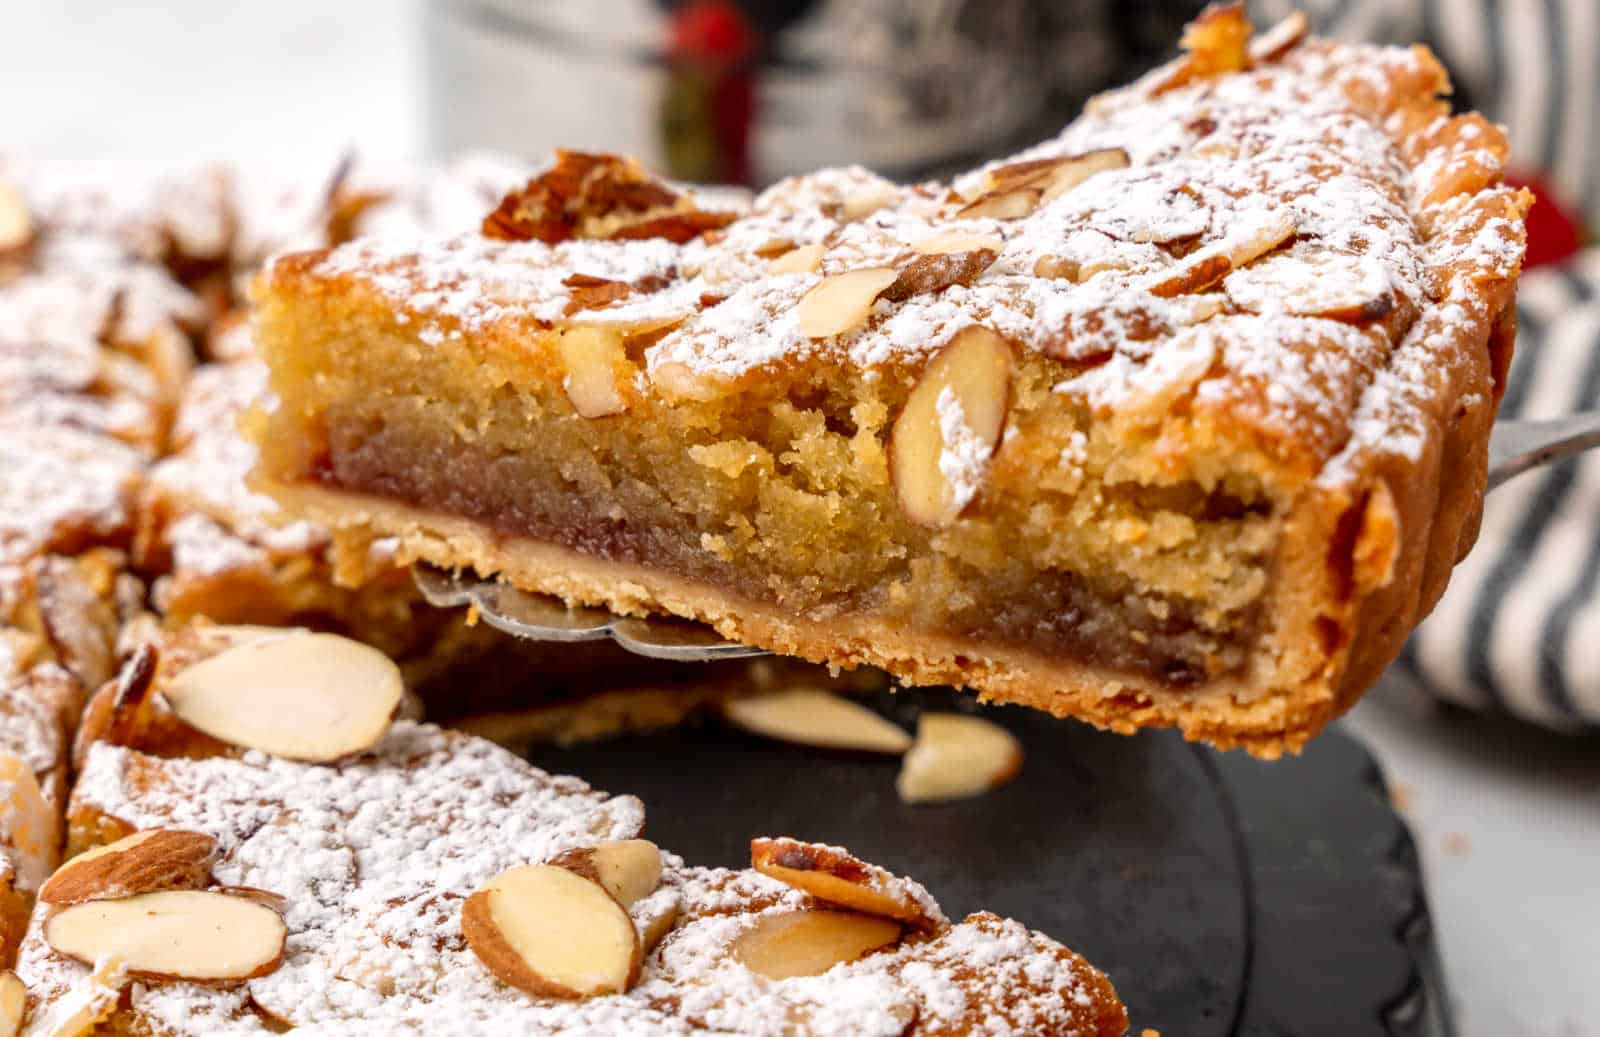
x=1514, y=447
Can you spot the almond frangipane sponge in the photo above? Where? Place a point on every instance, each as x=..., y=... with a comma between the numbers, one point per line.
x=1177, y=419
x=334, y=873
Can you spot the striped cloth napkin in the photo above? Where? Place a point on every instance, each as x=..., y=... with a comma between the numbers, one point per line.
x=1518, y=630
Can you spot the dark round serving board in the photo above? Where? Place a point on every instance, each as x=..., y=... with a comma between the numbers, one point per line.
x=1222, y=895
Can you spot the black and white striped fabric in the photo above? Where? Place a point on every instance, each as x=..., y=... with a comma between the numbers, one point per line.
x=1519, y=629
x=1533, y=65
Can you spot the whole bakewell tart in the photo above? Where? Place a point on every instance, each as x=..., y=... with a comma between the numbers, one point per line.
x=333, y=872
x=1178, y=419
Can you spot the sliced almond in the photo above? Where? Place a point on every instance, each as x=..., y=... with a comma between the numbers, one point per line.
x=27, y=821
x=13, y=1004
x=940, y=446
x=677, y=381
x=926, y=274
x=593, y=293
x=808, y=716
x=201, y=937
x=1195, y=273
x=1280, y=39
x=1354, y=289
x=959, y=241
x=595, y=362
x=1256, y=236
x=843, y=301
x=81, y=1010
x=1062, y=268
x=807, y=259
x=654, y=917
x=16, y=228
x=866, y=202
x=956, y=757
x=1033, y=172
x=772, y=248
x=628, y=869
x=302, y=696
x=1002, y=205
x=833, y=874
x=1075, y=169
x=552, y=933
x=145, y=862
x=1214, y=44
x=1017, y=189
x=785, y=944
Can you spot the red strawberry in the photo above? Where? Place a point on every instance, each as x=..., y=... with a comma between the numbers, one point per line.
x=1554, y=232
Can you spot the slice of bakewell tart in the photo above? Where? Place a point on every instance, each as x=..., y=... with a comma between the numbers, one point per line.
x=1176, y=419
x=254, y=847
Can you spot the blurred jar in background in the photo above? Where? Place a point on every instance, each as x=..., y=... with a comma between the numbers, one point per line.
x=746, y=91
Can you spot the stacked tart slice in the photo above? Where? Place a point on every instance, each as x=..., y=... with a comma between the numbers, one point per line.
x=1178, y=419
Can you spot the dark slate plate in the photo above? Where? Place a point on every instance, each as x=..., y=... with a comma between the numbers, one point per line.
x=1222, y=895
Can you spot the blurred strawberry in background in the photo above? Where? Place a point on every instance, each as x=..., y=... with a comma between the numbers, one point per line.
x=709, y=103
x=1554, y=230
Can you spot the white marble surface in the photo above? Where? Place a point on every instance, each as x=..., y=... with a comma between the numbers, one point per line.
x=164, y=78
x=1507, y=819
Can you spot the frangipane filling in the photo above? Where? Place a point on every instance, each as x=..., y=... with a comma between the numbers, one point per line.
x=787, y=498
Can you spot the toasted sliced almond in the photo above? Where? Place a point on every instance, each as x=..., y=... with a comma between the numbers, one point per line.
x=807, y=259
x=16, y=228
x=1348, y=288
x=654, y=916
x=161, y=858
x=957, y=756
x=303, y=696
x=833, y=874
x=866, y=202
x=1002, y=204
x=959, y=241
x=808, y=716
x=842, y=302
x=1215, y=43
x=201, y=937
x=772, y=248
x=81, y=1010
x=785, y=944
x=30, y=824
x=1280, y=39
x=926, y=274
x=628, y=869
x=593, y=293
x=13, y=1004
x=1257, y=235
x=940, y=446
x=1075, y=169
x=552, y=933
x=595, y=363
x=1033, y=172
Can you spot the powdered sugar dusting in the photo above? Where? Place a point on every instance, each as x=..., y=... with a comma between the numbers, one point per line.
x=207, y=471
x=375, y=855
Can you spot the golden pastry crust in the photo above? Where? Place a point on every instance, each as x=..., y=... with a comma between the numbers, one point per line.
x=1258, y=305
